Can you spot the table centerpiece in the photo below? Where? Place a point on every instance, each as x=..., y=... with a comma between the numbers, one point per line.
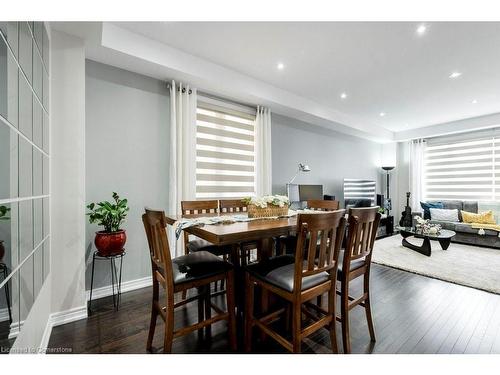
x=424, y=226
x=267, y=206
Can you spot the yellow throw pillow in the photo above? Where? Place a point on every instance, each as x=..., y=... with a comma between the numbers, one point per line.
x=481, y=218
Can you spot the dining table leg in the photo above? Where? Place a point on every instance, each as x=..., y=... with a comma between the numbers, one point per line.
x=266, y=252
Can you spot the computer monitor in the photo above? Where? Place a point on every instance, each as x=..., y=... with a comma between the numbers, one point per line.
x=307, y=192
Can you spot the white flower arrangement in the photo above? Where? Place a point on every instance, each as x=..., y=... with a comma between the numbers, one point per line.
x=273, y=200
x=425, y=227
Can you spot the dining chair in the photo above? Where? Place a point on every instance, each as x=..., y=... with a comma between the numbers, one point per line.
x=194, y=208
x=232, y=206
x=354, y=262
x=298, y=279
x=289, y=242
x=235, y=206
x=195, y=270
x=322, y=205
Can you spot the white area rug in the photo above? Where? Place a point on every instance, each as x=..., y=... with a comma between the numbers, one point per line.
x=467, y=265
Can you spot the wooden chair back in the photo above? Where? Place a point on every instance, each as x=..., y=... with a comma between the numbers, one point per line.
x=192, y=208
x=159, y=249
x=310, y=258
x=363, y=226
x=199, y=207
x=231, y=206
x=322, y=205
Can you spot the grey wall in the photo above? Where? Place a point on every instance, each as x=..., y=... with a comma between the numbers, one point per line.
x=127, y=127
x=332, y=156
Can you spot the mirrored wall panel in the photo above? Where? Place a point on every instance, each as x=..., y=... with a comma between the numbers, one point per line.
x=9, y=240
x=24, y=172
x=9, y=157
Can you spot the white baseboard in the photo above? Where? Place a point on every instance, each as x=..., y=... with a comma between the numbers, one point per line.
x=127, y=286
x=15, y=328
x=60, y=318
x=77, y=313
x=68, y=316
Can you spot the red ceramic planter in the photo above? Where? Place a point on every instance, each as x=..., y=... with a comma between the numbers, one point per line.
x=110, y=243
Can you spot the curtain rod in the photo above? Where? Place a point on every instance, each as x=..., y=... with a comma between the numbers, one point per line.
x=249, y=107
x=178, y=89
x=216, y=97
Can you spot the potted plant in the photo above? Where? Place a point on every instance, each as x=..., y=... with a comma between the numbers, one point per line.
x=110, y=215
x=3, y=216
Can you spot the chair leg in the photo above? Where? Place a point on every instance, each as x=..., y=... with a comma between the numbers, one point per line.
x=169, y=325
x=368, y=308
x=186, y=252
x=222, y=282
x=208, y=310
x=152, y=326
x=332, y=310
x=264, y=307
x=296, y=326
x=231, y=307
x=249, y=288
x=201, y=311
x=154, y=317
x=344, y=313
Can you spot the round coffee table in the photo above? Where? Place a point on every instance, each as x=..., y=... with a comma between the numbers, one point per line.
x=443, y=237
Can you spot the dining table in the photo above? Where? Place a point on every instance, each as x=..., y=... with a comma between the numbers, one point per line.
x=262, y=230
x=231, y=234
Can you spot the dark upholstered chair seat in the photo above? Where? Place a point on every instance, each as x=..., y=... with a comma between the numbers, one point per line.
x=203, y=245
x=279, y=271
x=196, y=266
x=355, y=264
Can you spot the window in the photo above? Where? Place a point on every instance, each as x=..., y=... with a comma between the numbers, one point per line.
x=225, y=150
x=463, y=167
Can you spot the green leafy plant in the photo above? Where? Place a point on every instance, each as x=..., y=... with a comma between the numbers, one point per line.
x=3, y=213
x=109, y=214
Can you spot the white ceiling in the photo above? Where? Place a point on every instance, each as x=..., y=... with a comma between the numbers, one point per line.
x=382, y=66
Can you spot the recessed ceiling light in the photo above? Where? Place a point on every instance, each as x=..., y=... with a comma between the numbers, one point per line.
x=421, y=29
x=381, y=114
x=343, y=95
x=455, y=75
x=280, y=66
x=474, y=101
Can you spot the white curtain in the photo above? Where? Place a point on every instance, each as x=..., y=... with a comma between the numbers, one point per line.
x=417, y=176
x=182, y=172
x=263, y=159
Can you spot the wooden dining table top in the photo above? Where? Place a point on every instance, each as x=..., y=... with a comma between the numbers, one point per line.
x=235, y=232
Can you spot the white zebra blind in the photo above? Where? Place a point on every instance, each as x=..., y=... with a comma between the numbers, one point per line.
x=225, y=150
x=359, y=189
x=467, y=169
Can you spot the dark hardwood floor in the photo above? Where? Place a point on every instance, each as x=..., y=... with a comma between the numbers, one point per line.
x=412, y=314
